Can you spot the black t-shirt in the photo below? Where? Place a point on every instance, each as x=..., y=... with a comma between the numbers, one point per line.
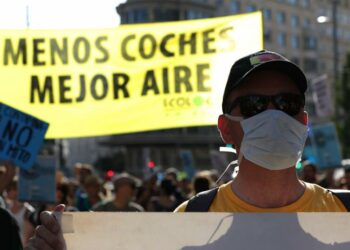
x=9, y=231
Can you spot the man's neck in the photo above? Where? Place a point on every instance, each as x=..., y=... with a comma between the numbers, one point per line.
x=265, y=188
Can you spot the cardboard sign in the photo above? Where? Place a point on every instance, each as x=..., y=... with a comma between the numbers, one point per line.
x=207, y=231
x=173, y=73
x=322, y=96
x=21, y=136
x=38, y=184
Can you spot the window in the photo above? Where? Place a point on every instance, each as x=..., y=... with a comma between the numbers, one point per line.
x=281, y=17
x=294, y=20
x=295, y=42
x=251, y=8
x=305, y=3
x=282, y=39
x=235, y=6
x=293, y=2
x=138, y=16
x=310, y=65
x=310, y=43
x=195, y=14
x=166, y=14
x=307, y=23
x=267, y=14
x=267, y=35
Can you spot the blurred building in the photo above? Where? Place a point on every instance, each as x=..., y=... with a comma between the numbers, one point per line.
x=291, y=27
x=315, y=34
x=146, y=11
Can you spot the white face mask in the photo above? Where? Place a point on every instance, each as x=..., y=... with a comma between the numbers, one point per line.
x=272, y=139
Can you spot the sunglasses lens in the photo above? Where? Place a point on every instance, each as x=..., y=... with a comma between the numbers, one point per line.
x=252, y=105
x=289, y=103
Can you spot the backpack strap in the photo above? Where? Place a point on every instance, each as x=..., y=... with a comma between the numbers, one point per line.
x=201, y=202
x=343, y=196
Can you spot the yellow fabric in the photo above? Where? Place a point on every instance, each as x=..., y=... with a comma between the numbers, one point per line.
x=314, y=199
x=127, y=79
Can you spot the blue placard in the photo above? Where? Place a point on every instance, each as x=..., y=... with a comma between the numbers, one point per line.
x=21, y=136
x=38, y=184
x=187, y=163
x=323, y=147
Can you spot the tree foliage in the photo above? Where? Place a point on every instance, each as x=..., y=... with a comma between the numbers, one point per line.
x=343, y=108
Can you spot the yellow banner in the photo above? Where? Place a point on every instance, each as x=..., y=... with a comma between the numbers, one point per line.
x=129, y=79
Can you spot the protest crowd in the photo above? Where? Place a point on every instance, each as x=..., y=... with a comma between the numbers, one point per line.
x=162, y=191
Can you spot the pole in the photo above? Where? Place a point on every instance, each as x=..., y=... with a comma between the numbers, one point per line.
x=335, y=52
x=335, y=39
x=59, y=153
x=27, y=16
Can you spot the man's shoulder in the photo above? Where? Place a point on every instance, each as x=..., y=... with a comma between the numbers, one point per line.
x=317, y=189
x=318, y=192
x=325, y=197
x=181, y=208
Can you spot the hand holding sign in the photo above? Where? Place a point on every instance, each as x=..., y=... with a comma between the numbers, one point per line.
x=49, y=234
x=21, y=136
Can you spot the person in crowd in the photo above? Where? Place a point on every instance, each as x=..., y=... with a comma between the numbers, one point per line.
x=329, y=181
x=21, y=211
x=186, y=188
x=172, y=175
x=147, y=190
x=73, y=186
x=202, y=182
x=7, y=173
x=82, y=171
x=308, y=172
x=93, y=190
x=264, y=118
x=345, y=180
x=166, y=201
x=9, y=231
x=124, y=191
x=62, y=195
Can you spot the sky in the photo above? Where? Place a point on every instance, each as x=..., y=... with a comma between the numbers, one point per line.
x=58, y=14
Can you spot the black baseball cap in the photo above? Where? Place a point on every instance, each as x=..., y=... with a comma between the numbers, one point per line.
x=262, y=60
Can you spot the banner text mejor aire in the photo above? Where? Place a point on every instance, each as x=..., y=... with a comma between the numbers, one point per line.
x=78, y=69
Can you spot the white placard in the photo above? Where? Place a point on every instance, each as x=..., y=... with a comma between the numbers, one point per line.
x=190, y=231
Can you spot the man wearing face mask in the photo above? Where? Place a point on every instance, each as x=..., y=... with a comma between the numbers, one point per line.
x=264, y=118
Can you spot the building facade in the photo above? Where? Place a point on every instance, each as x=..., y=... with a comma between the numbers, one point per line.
x=291, y=27
x=140, y=11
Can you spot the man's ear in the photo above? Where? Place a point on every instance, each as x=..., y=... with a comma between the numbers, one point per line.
x=225, y=130
x=305, y=118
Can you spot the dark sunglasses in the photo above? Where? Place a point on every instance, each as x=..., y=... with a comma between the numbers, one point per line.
x=251, y=105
